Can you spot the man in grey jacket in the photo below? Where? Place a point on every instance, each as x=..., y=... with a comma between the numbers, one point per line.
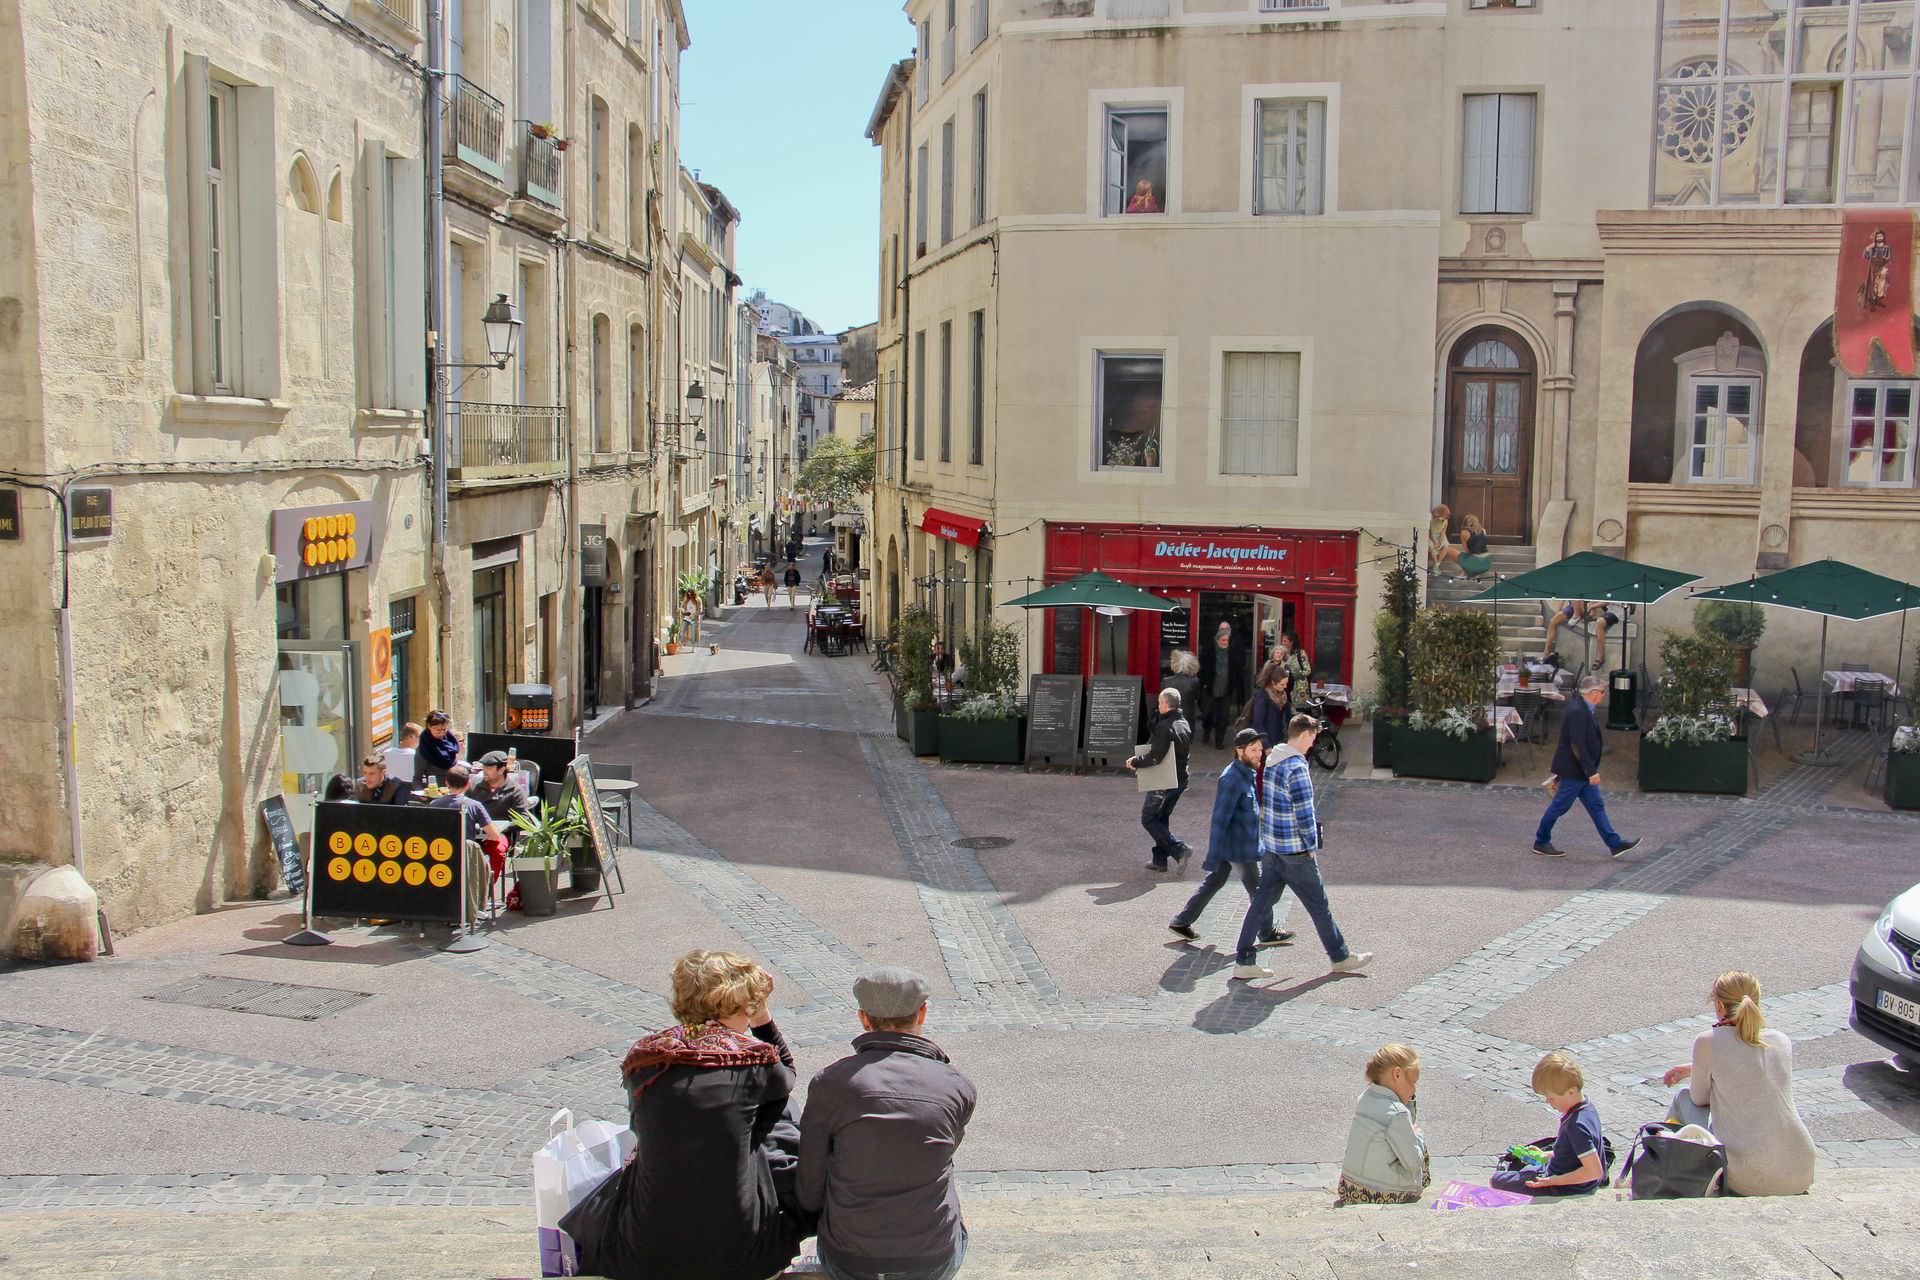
x=877, y=1141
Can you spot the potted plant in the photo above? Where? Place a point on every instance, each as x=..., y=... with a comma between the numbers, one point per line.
x=1692, y=746
x=986, y=727
x=918, y=715
x=673, y=636
x=544, y=836
x=540, y=129
x=1902, y=786
x=1392, y=626
x=1446, y=734
x=1739, y=625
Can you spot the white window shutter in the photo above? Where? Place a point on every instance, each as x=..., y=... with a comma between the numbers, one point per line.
x=536, y=61
x=408, y=256
x=1514, y=167
x=1316, y=122
x=194, y=89
x=258, y=204
x=1480, y=127
x=1116, y=166
x=1286, y=409
x=373, y=273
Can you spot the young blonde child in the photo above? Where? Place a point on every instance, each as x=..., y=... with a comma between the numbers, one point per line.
x=1386, y=1156
x=1578, y=1165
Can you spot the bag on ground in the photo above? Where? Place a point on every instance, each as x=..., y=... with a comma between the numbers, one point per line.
x=1468, y=1195
x=1669, y=1163
x=573, y=1163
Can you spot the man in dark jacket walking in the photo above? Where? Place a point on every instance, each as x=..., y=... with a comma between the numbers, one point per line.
x=877, y=1142
x=1233, y=843
x=1170, y=733
x=1223, y=683
x=1576, y=773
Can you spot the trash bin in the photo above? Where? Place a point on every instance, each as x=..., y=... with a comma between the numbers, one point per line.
x=1623, y=697
x=529, y=708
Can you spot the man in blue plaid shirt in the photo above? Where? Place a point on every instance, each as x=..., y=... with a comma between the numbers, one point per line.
x=1289, y=855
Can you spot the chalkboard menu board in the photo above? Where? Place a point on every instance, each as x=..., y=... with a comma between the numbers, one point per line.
x=1329, y=642
x=400, y=862
x=1053, y=717
x=1067, y=627
x=1113, y=716
x=1176, y=629
x=580, y=788
x=293, y=870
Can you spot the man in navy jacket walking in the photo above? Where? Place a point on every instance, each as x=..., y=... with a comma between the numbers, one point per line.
x=1576, y=773
x=1233, y=841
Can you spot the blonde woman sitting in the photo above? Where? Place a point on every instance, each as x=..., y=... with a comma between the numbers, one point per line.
x=1740, y=1087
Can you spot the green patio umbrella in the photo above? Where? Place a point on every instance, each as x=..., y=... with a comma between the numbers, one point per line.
x=1589, y=575
x=1832, y=589
x=1095, y=591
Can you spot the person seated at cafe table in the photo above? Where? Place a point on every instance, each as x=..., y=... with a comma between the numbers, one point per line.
x=498, y=791
x=478, y=827
x=375, y=787
x=440, y=745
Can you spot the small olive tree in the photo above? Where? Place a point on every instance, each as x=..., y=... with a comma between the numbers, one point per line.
x=1455, y=657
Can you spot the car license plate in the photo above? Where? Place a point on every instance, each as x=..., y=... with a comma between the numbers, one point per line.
x=1907, y=1010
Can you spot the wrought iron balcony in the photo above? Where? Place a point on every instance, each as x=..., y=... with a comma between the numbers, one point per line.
x=400, y=11
x=476, y=127
x=497, y=440
x=540, y=161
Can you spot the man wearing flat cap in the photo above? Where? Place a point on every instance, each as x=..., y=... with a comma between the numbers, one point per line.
x=877, y=1142
x=498, y=792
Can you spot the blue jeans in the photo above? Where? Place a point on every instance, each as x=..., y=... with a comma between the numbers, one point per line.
x=941, y=1271
x=1299, y=872
x=1156, y=811
x=1215, y=880
x=1588, y=794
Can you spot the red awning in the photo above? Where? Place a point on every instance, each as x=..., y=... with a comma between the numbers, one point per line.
x=964, y=530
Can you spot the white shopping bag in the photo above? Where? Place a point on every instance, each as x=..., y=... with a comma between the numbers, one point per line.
x=576, y=1159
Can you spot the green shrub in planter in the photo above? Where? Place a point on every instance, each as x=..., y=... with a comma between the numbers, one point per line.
x=1454, y=654
x=1437, y=753
x=1692, y=747
x=1383, y=727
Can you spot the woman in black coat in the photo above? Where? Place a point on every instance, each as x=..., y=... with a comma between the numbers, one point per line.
x=706, y=1196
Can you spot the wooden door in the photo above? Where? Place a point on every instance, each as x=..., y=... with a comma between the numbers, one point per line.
x=1490, y=405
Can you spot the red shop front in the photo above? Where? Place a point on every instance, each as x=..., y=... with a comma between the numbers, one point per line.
x=1258, y=582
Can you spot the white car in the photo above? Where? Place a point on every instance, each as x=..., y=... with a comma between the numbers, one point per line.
x=1886, y=980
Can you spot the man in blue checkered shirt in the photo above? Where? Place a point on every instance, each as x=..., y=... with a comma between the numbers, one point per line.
x=1289, y=855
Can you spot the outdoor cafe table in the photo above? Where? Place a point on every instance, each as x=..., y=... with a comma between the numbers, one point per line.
x=831, y=621
x=1844, y=681
x=1508, y=685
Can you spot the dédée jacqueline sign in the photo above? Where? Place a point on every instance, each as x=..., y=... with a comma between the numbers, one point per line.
x=1216, y=552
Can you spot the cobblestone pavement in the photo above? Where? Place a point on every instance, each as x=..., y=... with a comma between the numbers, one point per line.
x=556, y=1003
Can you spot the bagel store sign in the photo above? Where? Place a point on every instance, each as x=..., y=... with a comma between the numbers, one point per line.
x=309, y=542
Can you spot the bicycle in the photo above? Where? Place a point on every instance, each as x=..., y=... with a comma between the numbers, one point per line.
x=1326, y=750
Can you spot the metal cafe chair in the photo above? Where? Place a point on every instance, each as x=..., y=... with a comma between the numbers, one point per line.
x=1532, y=708
x=1796, y=695
x=1869, y=703
x=617, y=802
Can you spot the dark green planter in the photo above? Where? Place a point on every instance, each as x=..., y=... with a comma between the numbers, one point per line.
x=923, y=732
x=1429, y=753
x=900, y=718
x=981, y=741
x=1715, y=768
x=583, y=871
x=1902, y=788
x=1382, y=741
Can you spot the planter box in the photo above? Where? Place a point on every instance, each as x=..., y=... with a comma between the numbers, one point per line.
x=1382, y=741
x=923, y=731
x=981, y=741
x=583, y=873
x=1429, y=753
x=538, y=889
x=1902, y=789
x=900, y=719
x=1715, y=768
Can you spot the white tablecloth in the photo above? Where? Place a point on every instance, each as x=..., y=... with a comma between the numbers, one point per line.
x=1751, y=701
x=1340, y=693
x=1508, y=685
x=1506, y=724
x=1843, y=681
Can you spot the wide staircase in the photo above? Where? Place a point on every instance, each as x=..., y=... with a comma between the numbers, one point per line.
x=1523, y=623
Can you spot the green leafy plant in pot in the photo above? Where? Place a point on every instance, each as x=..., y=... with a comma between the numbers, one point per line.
x=1738, y=625
x=1392, y=641
x=920, y=716
x=545, y=836
x=985, y=726
x=1454, y=654
x=1691, y=747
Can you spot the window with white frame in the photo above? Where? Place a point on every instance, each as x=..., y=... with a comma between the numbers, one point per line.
x=1879, y=434
x=923, y=73
x=1496, y=153
x=1260, y=413
x=1290, y=157
x=947, y=159
x=1134, y=175
x=1722, y=429
x=393, y=283
x=1812, y=112
x=232, y=255
x=979, y=22
x=979, y=157
x=920, y=203
x=222, y=234
x=1127, y=392
x=1137, y=10
x=1500, y=4
x=1289, y=6
x=949, y=39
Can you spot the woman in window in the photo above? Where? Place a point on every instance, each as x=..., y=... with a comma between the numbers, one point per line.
x=1142, y=200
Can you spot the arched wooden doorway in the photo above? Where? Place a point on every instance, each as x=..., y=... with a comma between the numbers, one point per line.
x=1489, y=452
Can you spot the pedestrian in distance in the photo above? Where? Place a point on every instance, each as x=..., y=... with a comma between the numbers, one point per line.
x=1183, y=673
x=1233, y=841
x=1268, y=715
x=792, y=580
x=877, y=1142
x=1171, y=732
x=1289, y=856
x=827, y=562
x=1576, y=773
x=767, y=584
x=1223, y=683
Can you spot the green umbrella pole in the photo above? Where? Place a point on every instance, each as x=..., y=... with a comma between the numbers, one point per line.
x=1817, y=757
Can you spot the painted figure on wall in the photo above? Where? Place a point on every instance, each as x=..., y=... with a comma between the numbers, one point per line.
x=1873, y=295
x=1879, y=256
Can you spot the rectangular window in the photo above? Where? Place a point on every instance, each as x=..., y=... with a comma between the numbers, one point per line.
x=1136, y=164
x=920, y=396
x=893, y=279
x=1880, y=435
x=946, y=391
x=1812, y=115
x=393, y=285
x=948, y=42
x=222, y=225
x=599, y=193
x=924, y=72
x=920, y=203
x=946, y=182
x=980, y=157
x=1289, y=160
x=1128, y=10
x=977, y=388
x=1721, y=443
x=1260, y=427
x=1285, y=6
x=638, y=437
x=1127, y=389
x=1496, y=153
x=979, y=22
x=636, y=188
x=599, y=390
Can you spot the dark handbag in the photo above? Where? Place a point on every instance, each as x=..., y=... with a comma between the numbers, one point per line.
x=1245, y=719
x=595, y=1225
x=1661, y=1166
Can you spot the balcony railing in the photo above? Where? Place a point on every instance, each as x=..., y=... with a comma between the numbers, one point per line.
x=476, y=126
x=403, y=12
x=539, y=166
x=503, y=439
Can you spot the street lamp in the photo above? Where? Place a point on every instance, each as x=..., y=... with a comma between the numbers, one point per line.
x=696, y=410
x=502, y=323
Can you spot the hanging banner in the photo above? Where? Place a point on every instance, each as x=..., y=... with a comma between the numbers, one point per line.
x=1874, y=300
x=380, y=645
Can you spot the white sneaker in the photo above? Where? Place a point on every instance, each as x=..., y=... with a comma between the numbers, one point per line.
x=1353, y=963
x=1250, y=973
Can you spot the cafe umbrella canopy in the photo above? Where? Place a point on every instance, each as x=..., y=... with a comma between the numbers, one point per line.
x=1589, y=575
x=1093, y=590
x=1832, y=589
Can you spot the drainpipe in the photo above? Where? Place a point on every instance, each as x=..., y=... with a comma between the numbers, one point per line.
x=437, y=433
x=570, y=589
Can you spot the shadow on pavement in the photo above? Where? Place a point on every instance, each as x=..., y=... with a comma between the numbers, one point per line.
x=1245, y=1005
x=1193, y=964
x=1114, y=894
x=1887, y=1089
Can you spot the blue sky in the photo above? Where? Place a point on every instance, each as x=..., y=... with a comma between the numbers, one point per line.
x=774, y=105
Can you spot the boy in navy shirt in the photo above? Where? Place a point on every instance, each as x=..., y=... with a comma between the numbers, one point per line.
x=1578, y=1165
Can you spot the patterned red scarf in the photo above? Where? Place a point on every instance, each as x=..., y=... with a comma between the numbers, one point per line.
x=711, y=1044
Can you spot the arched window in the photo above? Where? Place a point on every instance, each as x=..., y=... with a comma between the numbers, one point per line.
x=599, y=186
x=1699, y=384
x=600, y=388
x=1853, y=432
x=303, y=189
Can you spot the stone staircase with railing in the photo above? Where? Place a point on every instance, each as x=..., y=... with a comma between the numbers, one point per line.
x=1523, y=623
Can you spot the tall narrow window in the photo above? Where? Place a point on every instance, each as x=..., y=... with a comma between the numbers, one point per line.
x=920, y=203
x=979, y=22
x=977, y=388
x=1496, y=154
x=1812, y=116
x=923, y=72
x=1880, y=434
x=600, y=389
x=946, y=391
x=1721, y=444
x=639, y=437
x=1289, y=173
x=980, y=156
x=893, y=279
x=948, y=41
x=1260, y=427
x=636, y=188
x=1136, y=164
x=598, y=194
x=946, y=182
x=1127, y=407
x=920, y=396
x=222, y=234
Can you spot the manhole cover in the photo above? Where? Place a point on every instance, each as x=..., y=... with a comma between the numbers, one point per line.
x=984, y=842
x=274, y=999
